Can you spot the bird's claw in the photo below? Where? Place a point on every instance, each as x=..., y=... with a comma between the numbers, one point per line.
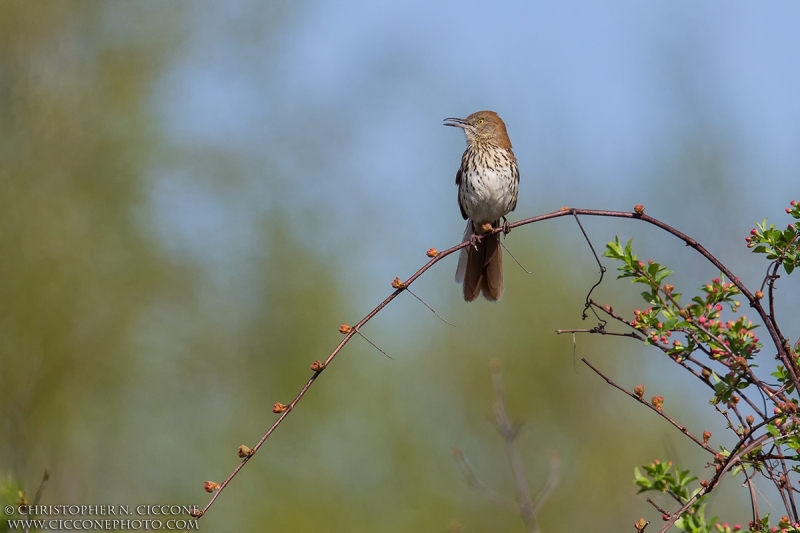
x=474, y=240
x=506, y=226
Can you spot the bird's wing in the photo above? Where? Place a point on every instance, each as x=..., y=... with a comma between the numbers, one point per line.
x=515, y=177
x=458, y=196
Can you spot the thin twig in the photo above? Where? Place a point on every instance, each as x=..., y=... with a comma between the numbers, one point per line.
x=753, y=499
x=374, y=345
x=587, y=303
x=661, y=413
x=788, y=481
x=600, y=332
x=429, y=307
x=772, y=278
x=36, y=499
x=514, y=258
x=664, y=512
x=40, y=490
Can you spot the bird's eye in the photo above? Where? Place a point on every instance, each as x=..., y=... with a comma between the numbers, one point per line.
x=481, y=121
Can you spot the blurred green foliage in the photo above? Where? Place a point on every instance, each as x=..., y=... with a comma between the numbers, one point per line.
x=78, y=265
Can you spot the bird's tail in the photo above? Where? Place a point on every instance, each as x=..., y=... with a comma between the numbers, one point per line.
x=481, y=270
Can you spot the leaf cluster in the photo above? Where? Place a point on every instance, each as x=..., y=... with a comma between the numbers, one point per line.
x=721, y=351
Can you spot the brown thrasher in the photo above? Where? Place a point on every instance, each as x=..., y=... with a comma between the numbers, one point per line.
x=488, y=184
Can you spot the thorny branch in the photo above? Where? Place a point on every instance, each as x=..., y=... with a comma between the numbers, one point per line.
x=655, y=408
x=734, y=458
x=780, y=343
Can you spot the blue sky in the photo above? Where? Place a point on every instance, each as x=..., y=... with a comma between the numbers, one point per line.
x=331, y=111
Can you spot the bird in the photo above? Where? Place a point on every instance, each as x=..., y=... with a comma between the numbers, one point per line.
x=488, y=187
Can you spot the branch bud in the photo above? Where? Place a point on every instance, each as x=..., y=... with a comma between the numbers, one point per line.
x=657, y=401
x=244, y=451
x=432, y=252
x=638, y=209
x=317, y=366
x=278, y=408
x=398, y=284
x=344, y=329
x=210, y=486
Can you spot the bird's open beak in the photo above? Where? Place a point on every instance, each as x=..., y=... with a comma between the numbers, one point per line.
x=456, y=123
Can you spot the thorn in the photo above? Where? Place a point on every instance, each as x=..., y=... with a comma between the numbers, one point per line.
x=374, y=345
x=429, y=307
x=515, y=259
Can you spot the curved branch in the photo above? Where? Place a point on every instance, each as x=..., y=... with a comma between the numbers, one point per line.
x=637, y=215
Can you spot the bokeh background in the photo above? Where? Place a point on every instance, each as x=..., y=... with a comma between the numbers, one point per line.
x=193, y=196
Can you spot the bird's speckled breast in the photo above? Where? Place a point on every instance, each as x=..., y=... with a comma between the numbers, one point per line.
x=489, y=184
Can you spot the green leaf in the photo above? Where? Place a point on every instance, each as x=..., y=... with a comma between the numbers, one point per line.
x=613, y=250
x=650, y=298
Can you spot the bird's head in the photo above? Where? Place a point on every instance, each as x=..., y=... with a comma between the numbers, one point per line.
x=482, y=127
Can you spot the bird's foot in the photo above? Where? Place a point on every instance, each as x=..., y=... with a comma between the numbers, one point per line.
x=474, y=240
x=506, y=226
